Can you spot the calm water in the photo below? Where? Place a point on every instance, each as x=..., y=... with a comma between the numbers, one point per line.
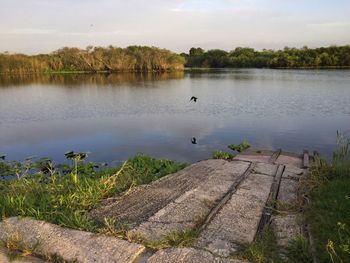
x=116, y=116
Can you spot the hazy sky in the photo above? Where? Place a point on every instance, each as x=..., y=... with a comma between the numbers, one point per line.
x=33, y=26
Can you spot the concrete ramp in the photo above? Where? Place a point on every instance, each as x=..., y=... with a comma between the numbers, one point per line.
x=191, y=208
x=227, y=203
x=145, y=201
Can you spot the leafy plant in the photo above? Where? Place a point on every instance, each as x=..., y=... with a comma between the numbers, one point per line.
x=342, y=245
x=239, y=147
x=76, y=158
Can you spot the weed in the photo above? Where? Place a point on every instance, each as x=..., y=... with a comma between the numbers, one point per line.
x=15, y=243
x=57, y=259
x=239, y=147
x=341, y=249
x=184, y=238
x=117, y=229
x=298, y=250
x=217, y=154
x=264, y=249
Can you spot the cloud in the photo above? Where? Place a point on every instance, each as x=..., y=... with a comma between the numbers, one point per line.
x=214, y=6
x=103, y=33
x=329, y=24
x=32, y=31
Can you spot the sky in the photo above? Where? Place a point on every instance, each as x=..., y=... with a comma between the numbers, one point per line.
x=42, y=26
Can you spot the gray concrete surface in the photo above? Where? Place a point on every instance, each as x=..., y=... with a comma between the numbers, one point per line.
x=69, y=244
x=237, y=222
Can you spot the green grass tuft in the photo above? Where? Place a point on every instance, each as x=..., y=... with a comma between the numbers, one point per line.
x=217, y=154
x=66, y=199
x=184, y=238
x=299, y=251
x=239, y=147
x=264, y=249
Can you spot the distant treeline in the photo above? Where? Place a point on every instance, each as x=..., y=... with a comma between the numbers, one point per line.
x=152, y=59
x=324, y=57
x=94, y=59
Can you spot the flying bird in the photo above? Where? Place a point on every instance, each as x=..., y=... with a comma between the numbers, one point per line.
x=194, y=98
x=194, y=140
x=3, y=156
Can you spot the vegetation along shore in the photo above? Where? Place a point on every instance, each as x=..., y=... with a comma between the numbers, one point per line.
x=153, y=59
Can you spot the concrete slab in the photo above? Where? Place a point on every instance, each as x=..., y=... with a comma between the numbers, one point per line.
x=294, y=170
x=287, y=193
x=69, y=244
x=252, y=155
x=144, y=201
x=286, y=228
x=290, y=160
x=187, y=255
x=291, y=176
x=253, y=158
x=237, y=222
x=192, y=207
x=265, y=168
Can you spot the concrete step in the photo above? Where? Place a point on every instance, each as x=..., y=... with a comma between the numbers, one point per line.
x=288, y=224
x=237, y=222
x=190, y=209
x=70, y=245
x=144, y=201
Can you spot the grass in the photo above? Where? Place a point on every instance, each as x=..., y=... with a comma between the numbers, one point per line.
x=329, y=217
x=183, y=238
x=264, y=249
x=239, y=147
x=217, y=154
x=328, y=212
x=299, y=251
x=113, y=228
x=15, y=243
x=66, y=199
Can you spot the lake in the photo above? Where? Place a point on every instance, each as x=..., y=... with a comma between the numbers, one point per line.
x=116, y=116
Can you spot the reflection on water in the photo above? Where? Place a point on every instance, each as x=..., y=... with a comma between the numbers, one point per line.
x=87, y=79
x=115, y=116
